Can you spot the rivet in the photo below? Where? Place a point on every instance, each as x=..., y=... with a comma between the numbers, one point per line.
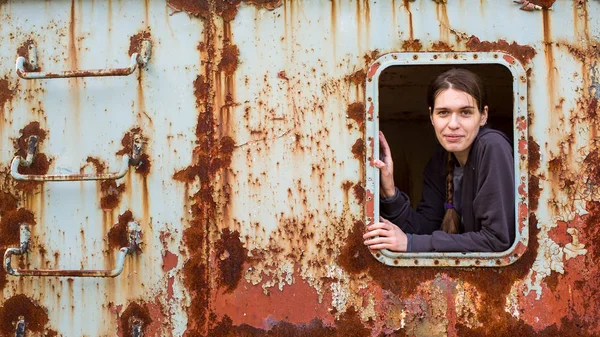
x=495, y=56
x=396, y=262
x=475, y=56
x=415, y=57
x=435, y=57
x=477, y=262
x=369, y=99
x=455, y=56
x=416, y=261
x=522, y=98
x=436, y=262
x=395, y=57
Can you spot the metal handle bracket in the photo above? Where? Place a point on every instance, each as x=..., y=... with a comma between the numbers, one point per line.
x=133, y=160
x=134, y=242
x=136, y=59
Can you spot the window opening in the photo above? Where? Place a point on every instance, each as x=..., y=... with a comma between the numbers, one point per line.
x=397, y=105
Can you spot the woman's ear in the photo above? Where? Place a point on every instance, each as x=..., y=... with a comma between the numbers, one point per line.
x=484, y=116
x=430, y=116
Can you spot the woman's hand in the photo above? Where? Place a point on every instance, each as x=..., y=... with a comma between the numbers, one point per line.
x=389, y=236
x=386, y=167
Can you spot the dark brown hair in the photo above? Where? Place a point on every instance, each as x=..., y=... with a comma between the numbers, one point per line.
x=468, y=82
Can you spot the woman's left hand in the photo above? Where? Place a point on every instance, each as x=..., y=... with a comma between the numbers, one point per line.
x=385, y=235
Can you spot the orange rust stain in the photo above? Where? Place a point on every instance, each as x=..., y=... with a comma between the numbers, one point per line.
x=127, y=142
x=8, y=202
x=169, y=261
x=31, y=129
x=442, y=16
x=229, y=59
x=20, y=305
x=149, y=315
x=370, y=57
x=355, y=258
x=568, y=305
x=227, y=9
x=406, y=4
x=522, y=146
x=349, y=324
x=10, y=224
x=412, y=45
x=358, y=149
x=521, y=124
x=249, y=305
x=441, y=46
x=356, y=111
x=23, y=51
x=97, y=163
x=373, y=70
x=6, y=94
x=370, y=204
x=544, y=3
x=359, y=193
x=523, y=210
x=118, y=236
x=231, y=255
x=111, y=194
x=11, y=217
x=358, y=78
x=371, y=111
x=39, y=166
x=509, y=59
x=135, y=41
x=523, y=53
x=559, y=233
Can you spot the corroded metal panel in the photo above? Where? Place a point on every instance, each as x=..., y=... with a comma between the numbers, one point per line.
x=251, y=193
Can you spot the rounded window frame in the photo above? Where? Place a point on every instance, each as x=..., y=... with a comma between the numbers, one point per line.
x=520, y=136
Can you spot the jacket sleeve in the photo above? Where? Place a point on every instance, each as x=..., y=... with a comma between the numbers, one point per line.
x=430, y=211
x=493, y=207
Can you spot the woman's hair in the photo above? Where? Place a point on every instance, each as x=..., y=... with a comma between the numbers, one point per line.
x=468, y=82
x=459, y=79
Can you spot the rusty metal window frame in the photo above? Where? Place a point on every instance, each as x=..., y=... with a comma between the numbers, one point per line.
x=520, y=134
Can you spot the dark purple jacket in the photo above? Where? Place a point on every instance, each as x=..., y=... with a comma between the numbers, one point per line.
x=488, y=201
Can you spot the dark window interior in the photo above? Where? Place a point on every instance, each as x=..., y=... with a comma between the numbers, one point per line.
x=404, y=116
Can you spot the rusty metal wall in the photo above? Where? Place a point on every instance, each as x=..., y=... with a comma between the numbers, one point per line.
x=251, y=192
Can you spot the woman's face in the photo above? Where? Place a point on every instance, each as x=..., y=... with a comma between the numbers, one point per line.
x=456, y=121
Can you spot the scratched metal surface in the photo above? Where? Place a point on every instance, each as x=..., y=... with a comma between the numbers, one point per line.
x=251, y=198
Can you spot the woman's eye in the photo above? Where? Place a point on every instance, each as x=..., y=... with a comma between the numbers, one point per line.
x=442, y=112
x=466, y=112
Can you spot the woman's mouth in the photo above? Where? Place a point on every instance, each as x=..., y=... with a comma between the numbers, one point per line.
x=453, y=138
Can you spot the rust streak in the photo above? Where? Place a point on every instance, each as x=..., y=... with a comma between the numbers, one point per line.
x=523, y=53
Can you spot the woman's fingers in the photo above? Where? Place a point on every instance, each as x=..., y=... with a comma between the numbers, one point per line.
x=376, y=232
x=384, y=144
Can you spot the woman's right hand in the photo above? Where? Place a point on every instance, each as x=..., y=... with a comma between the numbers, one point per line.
x=386, y=167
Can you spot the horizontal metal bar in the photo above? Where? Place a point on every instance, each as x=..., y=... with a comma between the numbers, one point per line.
x=63, y=273
x=18, y=161
x=20, y=66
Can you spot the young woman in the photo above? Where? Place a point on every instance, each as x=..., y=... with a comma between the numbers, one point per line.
x=468, y=189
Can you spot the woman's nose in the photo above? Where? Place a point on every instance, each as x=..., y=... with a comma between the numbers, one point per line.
x=453, y=123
